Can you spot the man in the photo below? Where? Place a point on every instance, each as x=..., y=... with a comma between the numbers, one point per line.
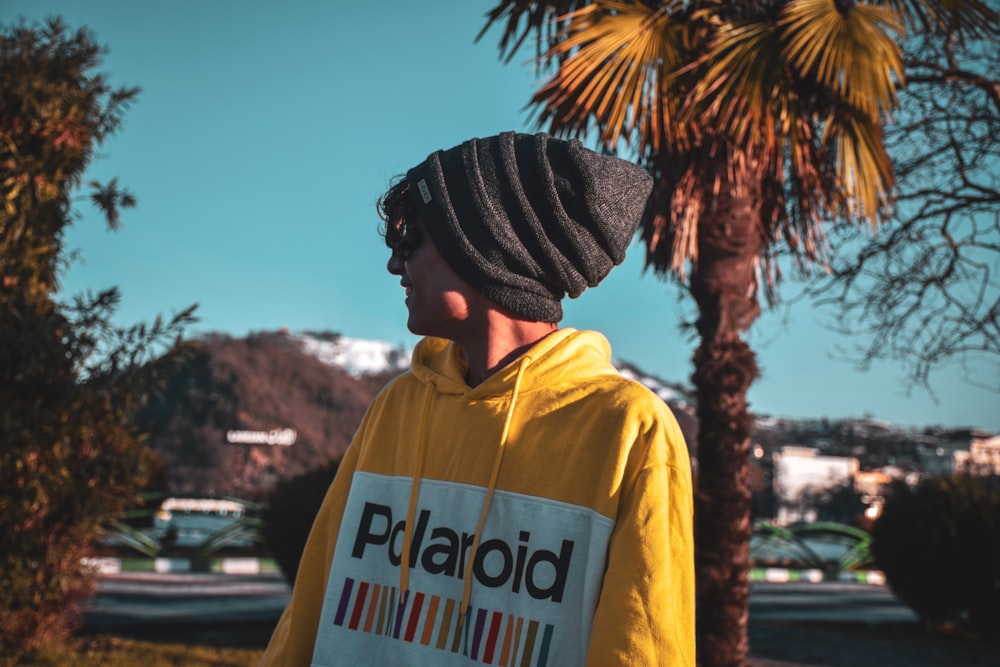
x=511, y=500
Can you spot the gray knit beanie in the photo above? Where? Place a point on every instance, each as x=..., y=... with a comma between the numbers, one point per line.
x=526, y=219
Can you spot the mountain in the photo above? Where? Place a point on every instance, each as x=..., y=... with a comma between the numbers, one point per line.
x=222, y=423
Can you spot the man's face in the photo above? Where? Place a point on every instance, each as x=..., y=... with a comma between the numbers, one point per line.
x=438, y=300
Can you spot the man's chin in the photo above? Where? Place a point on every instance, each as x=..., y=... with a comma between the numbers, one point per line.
x=415, y=328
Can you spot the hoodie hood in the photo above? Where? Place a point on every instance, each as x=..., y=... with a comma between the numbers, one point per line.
x=441, y=362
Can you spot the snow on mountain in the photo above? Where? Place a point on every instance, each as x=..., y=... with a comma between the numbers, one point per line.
x=357, y=356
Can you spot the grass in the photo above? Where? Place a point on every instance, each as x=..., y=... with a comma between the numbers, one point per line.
x=841, y=644
x=237, y=644
x=111, y=651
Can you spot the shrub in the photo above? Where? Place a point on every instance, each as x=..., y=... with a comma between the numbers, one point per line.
x=70, y=378
x=290, y=513
x=938, y=544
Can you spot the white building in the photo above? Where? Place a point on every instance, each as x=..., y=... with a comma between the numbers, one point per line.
x=193, y=521
x=982, y=457
x=801, y=472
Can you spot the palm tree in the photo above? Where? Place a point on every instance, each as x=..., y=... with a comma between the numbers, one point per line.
x=760, y=121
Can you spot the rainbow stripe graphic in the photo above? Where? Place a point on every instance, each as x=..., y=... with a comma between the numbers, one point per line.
x=490, y=637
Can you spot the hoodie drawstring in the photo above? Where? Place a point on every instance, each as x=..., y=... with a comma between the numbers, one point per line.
x=418, y=473
x=492, y=485
x=422, y=435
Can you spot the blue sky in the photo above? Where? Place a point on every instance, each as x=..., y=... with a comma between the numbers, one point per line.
x=265, y=132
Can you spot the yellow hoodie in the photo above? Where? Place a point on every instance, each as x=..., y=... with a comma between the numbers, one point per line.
x=546, y=514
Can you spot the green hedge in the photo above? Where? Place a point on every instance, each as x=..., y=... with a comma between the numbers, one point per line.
x=71, y=459
x=290, y=513
x=938, y=544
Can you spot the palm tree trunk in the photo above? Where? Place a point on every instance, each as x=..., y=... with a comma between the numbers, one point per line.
x=724, y=286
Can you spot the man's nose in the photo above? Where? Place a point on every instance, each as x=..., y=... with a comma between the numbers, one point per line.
x=395, y=265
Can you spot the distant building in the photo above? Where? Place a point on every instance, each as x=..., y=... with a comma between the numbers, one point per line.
x=801, y=474
x=191, y=522
x=982, y=457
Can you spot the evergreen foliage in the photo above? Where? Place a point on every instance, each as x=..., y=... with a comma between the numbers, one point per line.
x=69, y=377
x=938, y=544
x=290, y=514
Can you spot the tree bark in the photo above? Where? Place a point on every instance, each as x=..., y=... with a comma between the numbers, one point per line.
x=724, y=286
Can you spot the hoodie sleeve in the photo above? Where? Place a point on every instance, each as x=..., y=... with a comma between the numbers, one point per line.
x=645, y=614
x=295, y=635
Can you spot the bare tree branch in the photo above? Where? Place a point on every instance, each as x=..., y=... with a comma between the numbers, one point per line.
x=925, y=290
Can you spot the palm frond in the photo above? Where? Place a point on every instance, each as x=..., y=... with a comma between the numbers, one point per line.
x=973, y=18
x=862, y=163
x=744, y=88
x=537, y=17
x=748, y=90
x=687, y=206
x=615, y=62
x=810, y=195
x=853, y=54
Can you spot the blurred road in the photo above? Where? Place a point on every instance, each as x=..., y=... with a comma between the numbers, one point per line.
x=827, y=601
x=129, y=598
x=828, y=624
x=147, y=597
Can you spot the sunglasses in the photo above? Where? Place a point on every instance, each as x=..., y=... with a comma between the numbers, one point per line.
x=410, y=239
